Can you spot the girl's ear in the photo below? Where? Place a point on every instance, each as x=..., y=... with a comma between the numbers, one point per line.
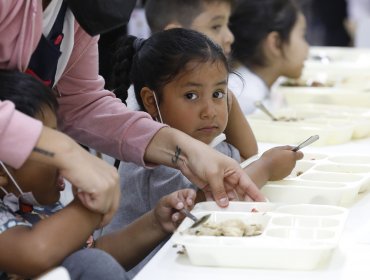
x=172, y=25
x=147, y=96
x=273, y=45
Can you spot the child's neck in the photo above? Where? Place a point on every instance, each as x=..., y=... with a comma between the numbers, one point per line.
x=268, y=74
x=217, y=140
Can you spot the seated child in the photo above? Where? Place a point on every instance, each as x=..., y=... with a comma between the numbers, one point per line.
x=180, y=78
x=269, y=43
x=211, y=18
x=32, y=241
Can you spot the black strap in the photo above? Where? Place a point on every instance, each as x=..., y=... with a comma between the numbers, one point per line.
x=57, y=28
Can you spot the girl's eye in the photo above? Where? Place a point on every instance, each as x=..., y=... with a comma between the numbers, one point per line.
x=191, y=95
x=217, y=27
x=218, y=94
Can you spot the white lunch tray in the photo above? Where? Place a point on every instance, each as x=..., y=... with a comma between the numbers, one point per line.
x=300, y=236
x=311, y=114
x=338, y=60
x=331, y=131
x=325, y=95
x=331, y=55
x=322, y=179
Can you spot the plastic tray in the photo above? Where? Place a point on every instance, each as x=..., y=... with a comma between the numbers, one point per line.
x=322, y=179
x=338, y=60
x=294, y=236
x=327, y=55
x=359, y=118
x=331, y=131
x=347, y=69
x=325, y=95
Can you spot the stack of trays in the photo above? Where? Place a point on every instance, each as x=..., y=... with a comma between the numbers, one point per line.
x=326, y=95
x=322, y=179
x=334, y=124
x=300, y=236
x=337, y=76
x=336, y=60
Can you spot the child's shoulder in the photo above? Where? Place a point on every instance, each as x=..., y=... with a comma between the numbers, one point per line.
x=228, y=150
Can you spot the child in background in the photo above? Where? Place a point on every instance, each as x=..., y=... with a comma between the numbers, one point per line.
x=180, y=78
x=269, y=43
x=32, y=242
x=211, y=18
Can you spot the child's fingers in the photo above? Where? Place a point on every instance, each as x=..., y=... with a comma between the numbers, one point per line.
x=299, y=155
x=174, y=201
x=186, y=196
x=176, y=217
x=190, y=195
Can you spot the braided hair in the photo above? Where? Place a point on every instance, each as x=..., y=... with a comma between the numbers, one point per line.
x=122, y=67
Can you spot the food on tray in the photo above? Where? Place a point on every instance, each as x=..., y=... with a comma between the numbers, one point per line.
x=288, y=119
x=233, y=227
x=306, y=83
x=324, y=58
x=299, y=173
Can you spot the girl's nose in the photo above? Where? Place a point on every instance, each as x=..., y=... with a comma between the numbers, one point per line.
x=229, y=36
x=228, y=40
x=208, y=110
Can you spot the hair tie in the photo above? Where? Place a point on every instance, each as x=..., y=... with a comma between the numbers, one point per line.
x=138, y=43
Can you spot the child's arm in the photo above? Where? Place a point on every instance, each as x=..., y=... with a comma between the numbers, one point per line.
x=30, y=251
x=97, y=180
x=238, y=132
x=132, y=243
x=274, y=164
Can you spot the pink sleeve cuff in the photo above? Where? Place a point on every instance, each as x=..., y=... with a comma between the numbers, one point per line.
x=19, y=135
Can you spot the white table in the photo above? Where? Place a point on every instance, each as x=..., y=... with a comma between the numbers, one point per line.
x=351, y=260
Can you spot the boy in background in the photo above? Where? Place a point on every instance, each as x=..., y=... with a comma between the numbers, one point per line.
x=210, y=17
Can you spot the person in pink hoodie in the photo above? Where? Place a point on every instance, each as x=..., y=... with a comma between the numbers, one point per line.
x=93, y=116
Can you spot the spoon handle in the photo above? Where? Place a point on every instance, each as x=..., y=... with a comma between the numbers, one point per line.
x=263, y=108
x=306, y=142
x=189, y=215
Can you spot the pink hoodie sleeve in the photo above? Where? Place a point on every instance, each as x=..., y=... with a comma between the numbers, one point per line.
x=92, y=115
x=18, y=135
x=20, y=32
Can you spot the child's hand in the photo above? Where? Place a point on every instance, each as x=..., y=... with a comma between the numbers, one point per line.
x=167, y=210
x=280, y=161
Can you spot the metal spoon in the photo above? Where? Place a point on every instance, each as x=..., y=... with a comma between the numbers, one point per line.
x=197, y=222
x=306, y=142
x=262, y=107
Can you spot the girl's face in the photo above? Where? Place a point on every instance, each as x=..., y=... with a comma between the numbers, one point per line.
x=41, y=179
x=213, y=22
x=296, y=50
x=196, y=101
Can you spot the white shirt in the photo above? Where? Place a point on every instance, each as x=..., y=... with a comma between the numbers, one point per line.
x=49, y=17
x=131, y=99
x=248, y=88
